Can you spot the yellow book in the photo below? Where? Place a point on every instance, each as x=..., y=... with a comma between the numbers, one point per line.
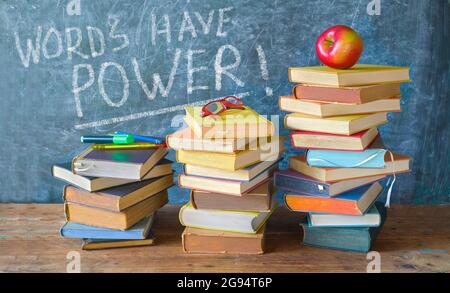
x=346, y=125
x=231, y=124
x=293, y=105
x=222, y=220
x=361, y=74
x=268, y=150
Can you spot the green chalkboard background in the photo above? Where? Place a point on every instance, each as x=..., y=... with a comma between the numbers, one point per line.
x=42, y=114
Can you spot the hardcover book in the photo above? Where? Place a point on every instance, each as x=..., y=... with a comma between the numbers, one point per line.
x=229, y=187
x=348, y=239
x=316, y=140
x=372, y=218
x=231, y=124
x=125, y=164
x=96, y=244
x=298, y=183
x=119, y=198
x=222, y=220
x=371, y=158
x=354, y=202
x=64, y=172
x=360, y=74
x=400, y=164
x=323, y=109
x=347, y=95
x=185, y=139
x=138, y=231
x=258, y=200
x=244, y=174
x=115, y=220
x=345, y=125
x=218, y=242
x=231, y=162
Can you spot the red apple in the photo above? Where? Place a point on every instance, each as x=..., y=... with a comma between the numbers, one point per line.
x=339, y=47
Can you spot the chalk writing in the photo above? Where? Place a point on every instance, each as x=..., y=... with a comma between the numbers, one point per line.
x=74, y=7
x=79, y=45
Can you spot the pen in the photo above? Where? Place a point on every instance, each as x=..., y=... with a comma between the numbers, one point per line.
x=126, y=146
x=143, y=138
x=114, y=139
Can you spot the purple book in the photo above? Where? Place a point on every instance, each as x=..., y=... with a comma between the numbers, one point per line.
x=298, y=183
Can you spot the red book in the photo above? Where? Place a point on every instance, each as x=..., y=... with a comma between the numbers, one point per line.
x=347, y=95
x=316, y=140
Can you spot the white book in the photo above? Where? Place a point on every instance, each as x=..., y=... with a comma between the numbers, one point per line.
x=370, y=219
x=229, y=221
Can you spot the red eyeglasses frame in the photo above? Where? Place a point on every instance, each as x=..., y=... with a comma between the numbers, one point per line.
x=226, y=106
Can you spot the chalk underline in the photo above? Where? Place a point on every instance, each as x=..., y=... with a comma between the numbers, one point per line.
x=146, y=114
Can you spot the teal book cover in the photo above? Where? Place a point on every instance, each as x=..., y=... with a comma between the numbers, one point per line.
x=371, y=158
x=357, y=239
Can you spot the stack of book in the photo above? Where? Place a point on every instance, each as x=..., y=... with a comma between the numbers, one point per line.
x=229, y=163
x=334, y=115
x=113, y=195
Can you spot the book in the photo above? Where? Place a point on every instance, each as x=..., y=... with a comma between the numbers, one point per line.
x=270, y=151
x=218, y=242
x=185, y=139
x=229, y=187
x=115, y=220
x=371, y=158
x=400, y=164
x=96, y=244
x=257, y=200
x=244, y=174
x=348, y=239
x=346, y=125
x=125, y=164
x=231, y=124
x=298, y=183
x=138, y=231
x=64, y=172
x=353, y=202
x=360, y=74
x=372, y=218
x=322, y=109
x=315, y=140
x=347, y=95
x=118, y=198
x=222, y=220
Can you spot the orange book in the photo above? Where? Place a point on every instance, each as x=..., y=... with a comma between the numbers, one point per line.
x=353, y=202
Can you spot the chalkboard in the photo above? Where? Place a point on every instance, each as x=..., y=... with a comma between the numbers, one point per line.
x=70, y=68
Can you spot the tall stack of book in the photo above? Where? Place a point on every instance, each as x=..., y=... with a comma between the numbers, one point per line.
x=113, y=195
x=334, y=115
x=229, y=163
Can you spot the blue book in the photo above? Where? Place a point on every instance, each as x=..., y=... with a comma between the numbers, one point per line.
x=348, y=239
x=371, y=158
x=138, y=231
x=291, y=181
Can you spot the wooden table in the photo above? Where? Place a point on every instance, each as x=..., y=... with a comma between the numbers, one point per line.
x=414, y=239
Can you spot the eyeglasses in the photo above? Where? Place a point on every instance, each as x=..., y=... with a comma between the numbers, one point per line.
x=219, y=106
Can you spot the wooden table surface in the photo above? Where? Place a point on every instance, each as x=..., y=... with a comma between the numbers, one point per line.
x=414, y=239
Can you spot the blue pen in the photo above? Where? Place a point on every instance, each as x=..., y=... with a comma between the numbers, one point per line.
x=143, y=138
